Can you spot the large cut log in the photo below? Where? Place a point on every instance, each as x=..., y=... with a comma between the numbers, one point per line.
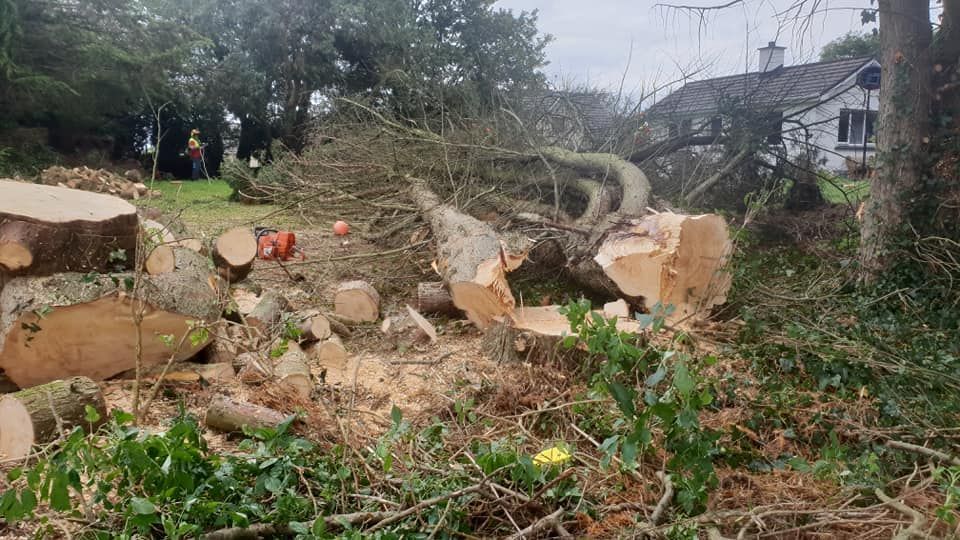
x=433, y=297
x=472, y=259
x=407, y=329
x=313, y=327
x=268, y=313
x=159, y=240
x=229, y=415
x=357, y=301
x=46, y=229
x=292, y=371
x=40, y=414
x=670, y=258
x=234, y=252
x=331, y=351
x=81, y=324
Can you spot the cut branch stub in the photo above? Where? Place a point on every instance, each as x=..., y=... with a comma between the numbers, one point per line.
x=160, y=240
x=48, y=229
x=37, y=415
x=357, y=301
x=80, y=324
x=234, y=252
x=670, y=258
x=472, y=260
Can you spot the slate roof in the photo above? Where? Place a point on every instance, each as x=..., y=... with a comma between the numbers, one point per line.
x=593, y=109
x=784, y=85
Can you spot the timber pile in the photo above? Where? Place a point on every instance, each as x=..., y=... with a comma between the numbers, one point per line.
x=128, y=186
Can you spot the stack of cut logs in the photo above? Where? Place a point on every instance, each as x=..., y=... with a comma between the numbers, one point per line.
x=129, y=186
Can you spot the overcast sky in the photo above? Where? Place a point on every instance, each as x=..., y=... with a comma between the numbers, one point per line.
x=592, y=38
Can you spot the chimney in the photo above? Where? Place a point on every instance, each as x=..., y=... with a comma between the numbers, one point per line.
x=771, y=57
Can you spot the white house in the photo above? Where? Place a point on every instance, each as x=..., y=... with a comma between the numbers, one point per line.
x=817, y=106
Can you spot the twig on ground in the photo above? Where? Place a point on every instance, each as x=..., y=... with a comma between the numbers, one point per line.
x=537, y=526
x=914, y=530
x=923, y=450
x=665, y=499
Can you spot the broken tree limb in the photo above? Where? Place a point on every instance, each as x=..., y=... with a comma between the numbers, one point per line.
x=433, y=297
x=40, y=414
x=231, y=416
x=670, y=258
x=47, y=229
x=357, y=301
x=633, y=183
x=82, y=324
x=234, y=252
x=471, y=258
x=697, y=193
x=292, y=371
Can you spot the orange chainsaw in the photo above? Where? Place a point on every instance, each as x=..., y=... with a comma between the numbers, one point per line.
x=277, y=245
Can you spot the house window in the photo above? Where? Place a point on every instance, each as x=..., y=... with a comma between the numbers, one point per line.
x=716, y=126
x=775, y=133
x=855, y=127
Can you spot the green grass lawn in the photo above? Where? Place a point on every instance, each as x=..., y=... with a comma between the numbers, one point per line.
x=206, y=207
x=835, y=189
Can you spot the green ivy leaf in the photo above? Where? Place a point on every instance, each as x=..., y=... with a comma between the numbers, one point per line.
x=91, y=415
x=396, y=415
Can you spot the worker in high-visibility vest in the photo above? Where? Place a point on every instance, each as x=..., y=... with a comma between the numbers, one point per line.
x=195, y=151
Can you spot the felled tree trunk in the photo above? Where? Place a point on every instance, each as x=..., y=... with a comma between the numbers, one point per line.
x=229, y=415
x=471, y=259
x=234, y=252
x=48, y=229
x=313, y=327
x=78, y=324
x=38, y=415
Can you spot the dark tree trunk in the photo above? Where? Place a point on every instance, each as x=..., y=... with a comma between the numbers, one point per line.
x=905, y=39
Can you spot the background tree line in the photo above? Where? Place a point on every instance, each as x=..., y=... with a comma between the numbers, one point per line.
x=94, y=74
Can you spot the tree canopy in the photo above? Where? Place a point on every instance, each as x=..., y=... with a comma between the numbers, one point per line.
x=852, y=45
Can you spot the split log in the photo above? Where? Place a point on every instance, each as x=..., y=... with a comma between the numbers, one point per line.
x=39, y=415
x=433, y=297
x=78, y=324
x=670, y=258
x=234, y=252
x=407, y=329
x=357, y=301
x=47, y=229
x=232, y=416
x=331, y=351
x=266, y=317
x=313, y=327
x=292, y=371
x=471, y=258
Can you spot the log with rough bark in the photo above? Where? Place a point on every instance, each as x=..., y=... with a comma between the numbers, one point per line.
x=190, y=372
x=293, y=371
x=80, y=324
x=232, y=416
x=234, y=252
x=331, y=351
x=407, y=329
x=313, y=327
x=472, y=260
x=46, y=229
x=40, y=414
x=672, y=259
x=433, y=298
x=268, y=313
x=357, y=301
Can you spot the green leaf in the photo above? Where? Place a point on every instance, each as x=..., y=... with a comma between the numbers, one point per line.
x=624, y=397
x=91, y=415
x=682, y=380
x=142, y=506
x=28, y=501
x=628, y=452
x=14, y=474
x=657, y=376
x=59, y=494
x=396, y=415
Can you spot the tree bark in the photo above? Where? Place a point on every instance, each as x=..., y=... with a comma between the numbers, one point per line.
x=266, y=316
x=39, y=415
x=229, y=415
x=905, y=38
x=433, y=297
x=48, y=229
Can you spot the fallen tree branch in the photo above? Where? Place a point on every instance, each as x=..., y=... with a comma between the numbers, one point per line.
x=395, y=517
x=923, y=450
x=539, y=525
x=918, y=520
x=266, y=530
x=657, y=516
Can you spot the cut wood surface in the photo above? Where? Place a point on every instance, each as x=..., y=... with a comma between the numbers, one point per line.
x=357, y=301
x=472, y=260
x=618, y=308
x=331, y=351
x=38, y=415
x=47, y=229
x=548, y=321
x=188, y=372
x=234, y=252
x=230, y=415
x=433, y=298
x=408, y=328
x=670, y=258
x=313, y=327
x=77, y=324
x=292, y=371
x=159, y=240
x=266, y=316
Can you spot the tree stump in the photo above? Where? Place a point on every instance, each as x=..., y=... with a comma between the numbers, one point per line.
x=38, y=415
x=234, y=252
x=357, y=301
x=231, y=416
x=47, y=229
